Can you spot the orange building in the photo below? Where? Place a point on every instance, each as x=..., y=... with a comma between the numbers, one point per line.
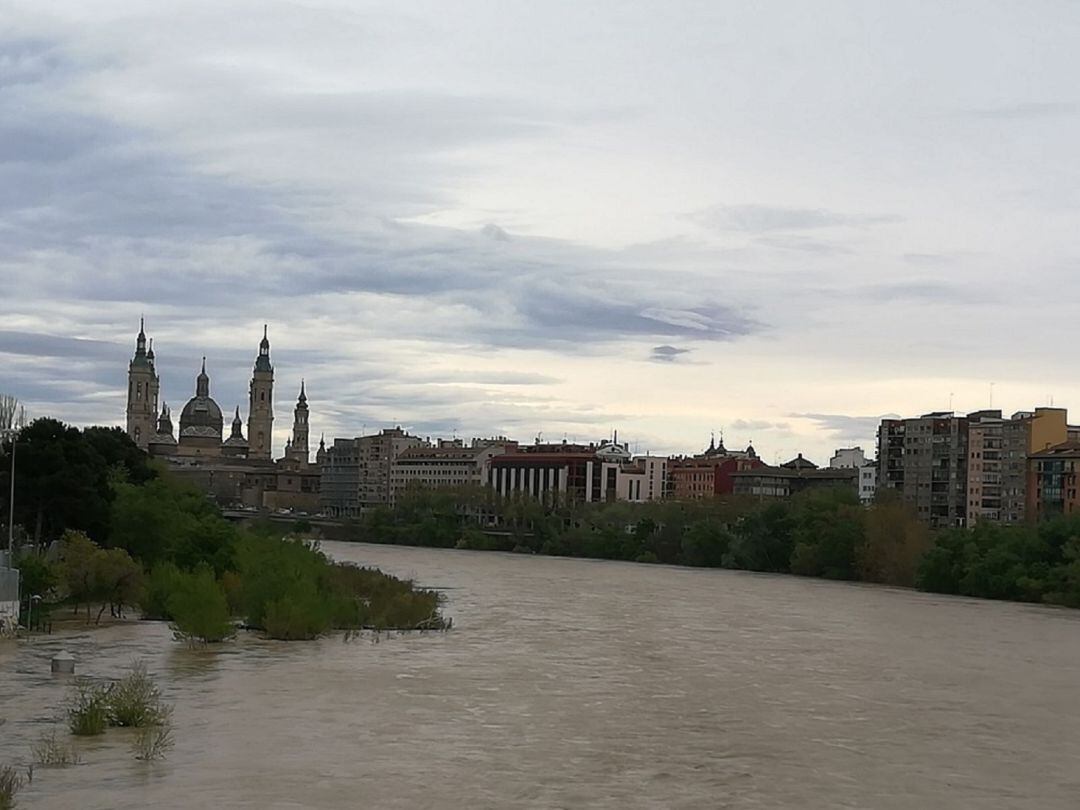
x=709, y=474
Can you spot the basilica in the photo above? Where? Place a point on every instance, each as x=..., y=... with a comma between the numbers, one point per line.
x=238, y=470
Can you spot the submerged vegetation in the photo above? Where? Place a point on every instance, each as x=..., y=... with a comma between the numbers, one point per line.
x=51, y=751
x=10, y=784
x=149, y=541
x=88, y=711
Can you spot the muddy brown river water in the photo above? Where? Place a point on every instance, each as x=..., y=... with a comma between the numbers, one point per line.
x=579, y=684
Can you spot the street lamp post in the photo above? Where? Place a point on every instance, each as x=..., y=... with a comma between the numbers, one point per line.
x=11, y=433
x=11, y=505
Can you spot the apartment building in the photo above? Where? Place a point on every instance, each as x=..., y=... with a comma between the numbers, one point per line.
x=356, y=473
x=925, y=459
x=1022, y=435
x=1054, y=489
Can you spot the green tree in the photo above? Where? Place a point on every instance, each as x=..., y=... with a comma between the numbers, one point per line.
x=827, y=534
x=763, y=540
x=78, y=569
x=896, y=541
x=198, y=607
x=65, y=476
x=166, y=520
x=37, y=574
x=117, y=579
x=705, y=543
x=163, y=581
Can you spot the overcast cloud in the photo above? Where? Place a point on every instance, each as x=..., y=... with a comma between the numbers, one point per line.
x=669, y=219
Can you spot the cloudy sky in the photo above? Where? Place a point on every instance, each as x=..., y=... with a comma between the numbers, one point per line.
x=779, y=220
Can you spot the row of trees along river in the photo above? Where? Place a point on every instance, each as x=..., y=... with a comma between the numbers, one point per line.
x=821, y=533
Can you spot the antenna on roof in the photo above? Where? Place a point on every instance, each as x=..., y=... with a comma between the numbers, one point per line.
x=991, y=396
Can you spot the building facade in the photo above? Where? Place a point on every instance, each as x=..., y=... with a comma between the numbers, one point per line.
x=1024, y=434
x=868, y=474
x=925, y=459
x=356, y=474
x=709, y=473
x=848, y=457
x=569, y=473
x=1054, y=481
x=791, y=478
x=449, y=464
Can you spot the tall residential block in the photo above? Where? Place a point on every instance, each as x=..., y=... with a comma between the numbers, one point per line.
x=925, y=459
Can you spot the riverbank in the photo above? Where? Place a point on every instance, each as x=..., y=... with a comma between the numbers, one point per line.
x=824, y=533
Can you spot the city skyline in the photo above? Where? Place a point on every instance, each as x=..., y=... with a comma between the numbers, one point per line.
x=645, y=225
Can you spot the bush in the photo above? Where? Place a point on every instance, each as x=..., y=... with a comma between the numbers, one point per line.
x=153, y=742
x=10, y=783
x=52, y=752
x=302, y=613
x=199, y=608
x=275, y=573
x=88, y=709
x=134, y=701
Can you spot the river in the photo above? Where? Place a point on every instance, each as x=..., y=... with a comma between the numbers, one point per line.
x=582, y=684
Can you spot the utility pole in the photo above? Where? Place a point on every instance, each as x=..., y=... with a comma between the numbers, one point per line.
x=11, y=434
x=11, y=506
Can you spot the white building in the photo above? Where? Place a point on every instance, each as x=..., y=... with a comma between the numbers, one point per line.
x=9, y=597
x=572, y=472
x=848, y=458
x=867, y=483
x=655, y=470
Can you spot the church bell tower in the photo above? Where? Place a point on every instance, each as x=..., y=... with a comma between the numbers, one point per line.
x=299, y=447
x=261, y=408
x=143, y=388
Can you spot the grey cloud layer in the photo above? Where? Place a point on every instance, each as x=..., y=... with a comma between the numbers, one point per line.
x=768, y=219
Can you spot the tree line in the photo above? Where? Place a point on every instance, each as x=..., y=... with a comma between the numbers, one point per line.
x=822, y=533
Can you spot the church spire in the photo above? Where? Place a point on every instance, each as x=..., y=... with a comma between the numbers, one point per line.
x=298, y=447
x=202, y=382
x=262, y=362
x=140, y=340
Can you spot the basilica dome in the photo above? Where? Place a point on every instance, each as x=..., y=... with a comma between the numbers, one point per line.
x=201, y=417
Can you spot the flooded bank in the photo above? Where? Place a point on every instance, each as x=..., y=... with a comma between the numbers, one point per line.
x=574, y=683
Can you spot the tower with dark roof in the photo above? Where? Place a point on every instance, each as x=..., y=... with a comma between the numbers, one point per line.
x=298, y=449
x=236, y=444
x=261, y=407
x=201, y=422
x=143, y=388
